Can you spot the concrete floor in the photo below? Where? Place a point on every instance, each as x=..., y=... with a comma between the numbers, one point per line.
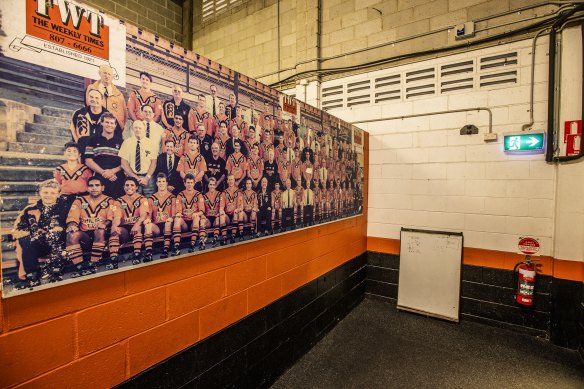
x=376, y=346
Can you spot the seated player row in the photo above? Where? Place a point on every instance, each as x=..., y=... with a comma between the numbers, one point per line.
x=48, y=229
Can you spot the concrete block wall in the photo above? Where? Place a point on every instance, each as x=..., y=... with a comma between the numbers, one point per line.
x=424, y=174
x=245, y=38
x=161, y=17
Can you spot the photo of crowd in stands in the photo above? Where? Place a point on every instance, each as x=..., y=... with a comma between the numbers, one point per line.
x=187, y=157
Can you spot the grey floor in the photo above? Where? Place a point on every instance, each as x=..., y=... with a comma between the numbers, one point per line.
x=377, y=347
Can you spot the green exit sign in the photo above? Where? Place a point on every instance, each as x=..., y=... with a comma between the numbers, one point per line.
x=524, y=143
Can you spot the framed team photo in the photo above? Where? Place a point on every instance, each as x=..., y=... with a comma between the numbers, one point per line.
x=144, y=152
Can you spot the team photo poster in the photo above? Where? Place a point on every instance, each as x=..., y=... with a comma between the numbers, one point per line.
x=166, y=154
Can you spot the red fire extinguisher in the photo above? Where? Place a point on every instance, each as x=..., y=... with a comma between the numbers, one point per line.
x=525, y=274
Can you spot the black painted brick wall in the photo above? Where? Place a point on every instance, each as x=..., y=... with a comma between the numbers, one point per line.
x=257, y=349
x=382, y=276
x=581, y=321
x=487, y=296
x=566, y=311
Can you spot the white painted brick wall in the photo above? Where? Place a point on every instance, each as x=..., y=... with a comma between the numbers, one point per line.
x=431, y=139
x=446, y=187
x=429, y=171
x=429, y=203
x=488, y=188
x=424, y=174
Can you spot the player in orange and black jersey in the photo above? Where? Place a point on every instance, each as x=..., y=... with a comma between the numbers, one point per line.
x=296, y=168
x=189, y=215
x=255, y=166
x=267, y=145
x=162, y=205
x=193, y=162
x=347, y=200
x=233, y=200
x=351, y=199
x=89, y=218
x=178, y=135
x=337, y=194
x=214, y=212
x=284, y=168
x=277, y=207
x=239, y=122
x=318, y=199
x=236, y=164
x=327, y=196
x=144, y=96
x=133, y=211
x=250, y=206
x=72, y=176
x=221, y=117
x=330, y=201
x=251, y=140
x=222, y=139
x=290, y=143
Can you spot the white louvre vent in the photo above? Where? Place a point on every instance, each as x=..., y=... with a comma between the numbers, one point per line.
x=500, y=60
x=358, y=93
x=498, y=69
x=388, y=88
x=457, y=76
x=212, y=8
x=421, y=82
x=469, y=72
x=509, y=77
x=332, y=97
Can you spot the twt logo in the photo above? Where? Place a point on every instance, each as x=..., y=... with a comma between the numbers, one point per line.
x=73, y=12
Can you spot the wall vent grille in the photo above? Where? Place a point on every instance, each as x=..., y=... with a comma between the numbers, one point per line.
x=358, y=93
x=474, y=73
x=211, y=8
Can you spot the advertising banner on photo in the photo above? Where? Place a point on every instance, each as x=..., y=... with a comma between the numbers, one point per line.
x=64, y=35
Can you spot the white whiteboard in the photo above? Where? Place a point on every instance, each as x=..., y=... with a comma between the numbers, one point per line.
x=429, y=273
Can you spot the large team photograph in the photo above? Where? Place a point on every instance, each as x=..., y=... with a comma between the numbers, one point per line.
x=171, y=155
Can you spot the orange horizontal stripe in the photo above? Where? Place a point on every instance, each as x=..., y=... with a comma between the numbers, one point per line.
x=569, y=270
x=383, y=245
x=558, y=268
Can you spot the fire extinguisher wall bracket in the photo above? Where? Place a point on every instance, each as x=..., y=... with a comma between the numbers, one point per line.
x=525, y=274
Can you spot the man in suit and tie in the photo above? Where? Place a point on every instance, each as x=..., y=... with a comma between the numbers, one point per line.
x=308, y=204
x=153, y=130
x=230, y=110
x=251, y=112
x=288, y=205
x=212, y=101
x=167, y=163
x=138, y=156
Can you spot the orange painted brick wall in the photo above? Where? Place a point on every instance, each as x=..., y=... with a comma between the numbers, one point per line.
x=100, y=332
x=558, y=268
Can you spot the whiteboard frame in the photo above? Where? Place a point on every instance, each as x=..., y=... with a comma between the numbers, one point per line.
x=407, y=280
